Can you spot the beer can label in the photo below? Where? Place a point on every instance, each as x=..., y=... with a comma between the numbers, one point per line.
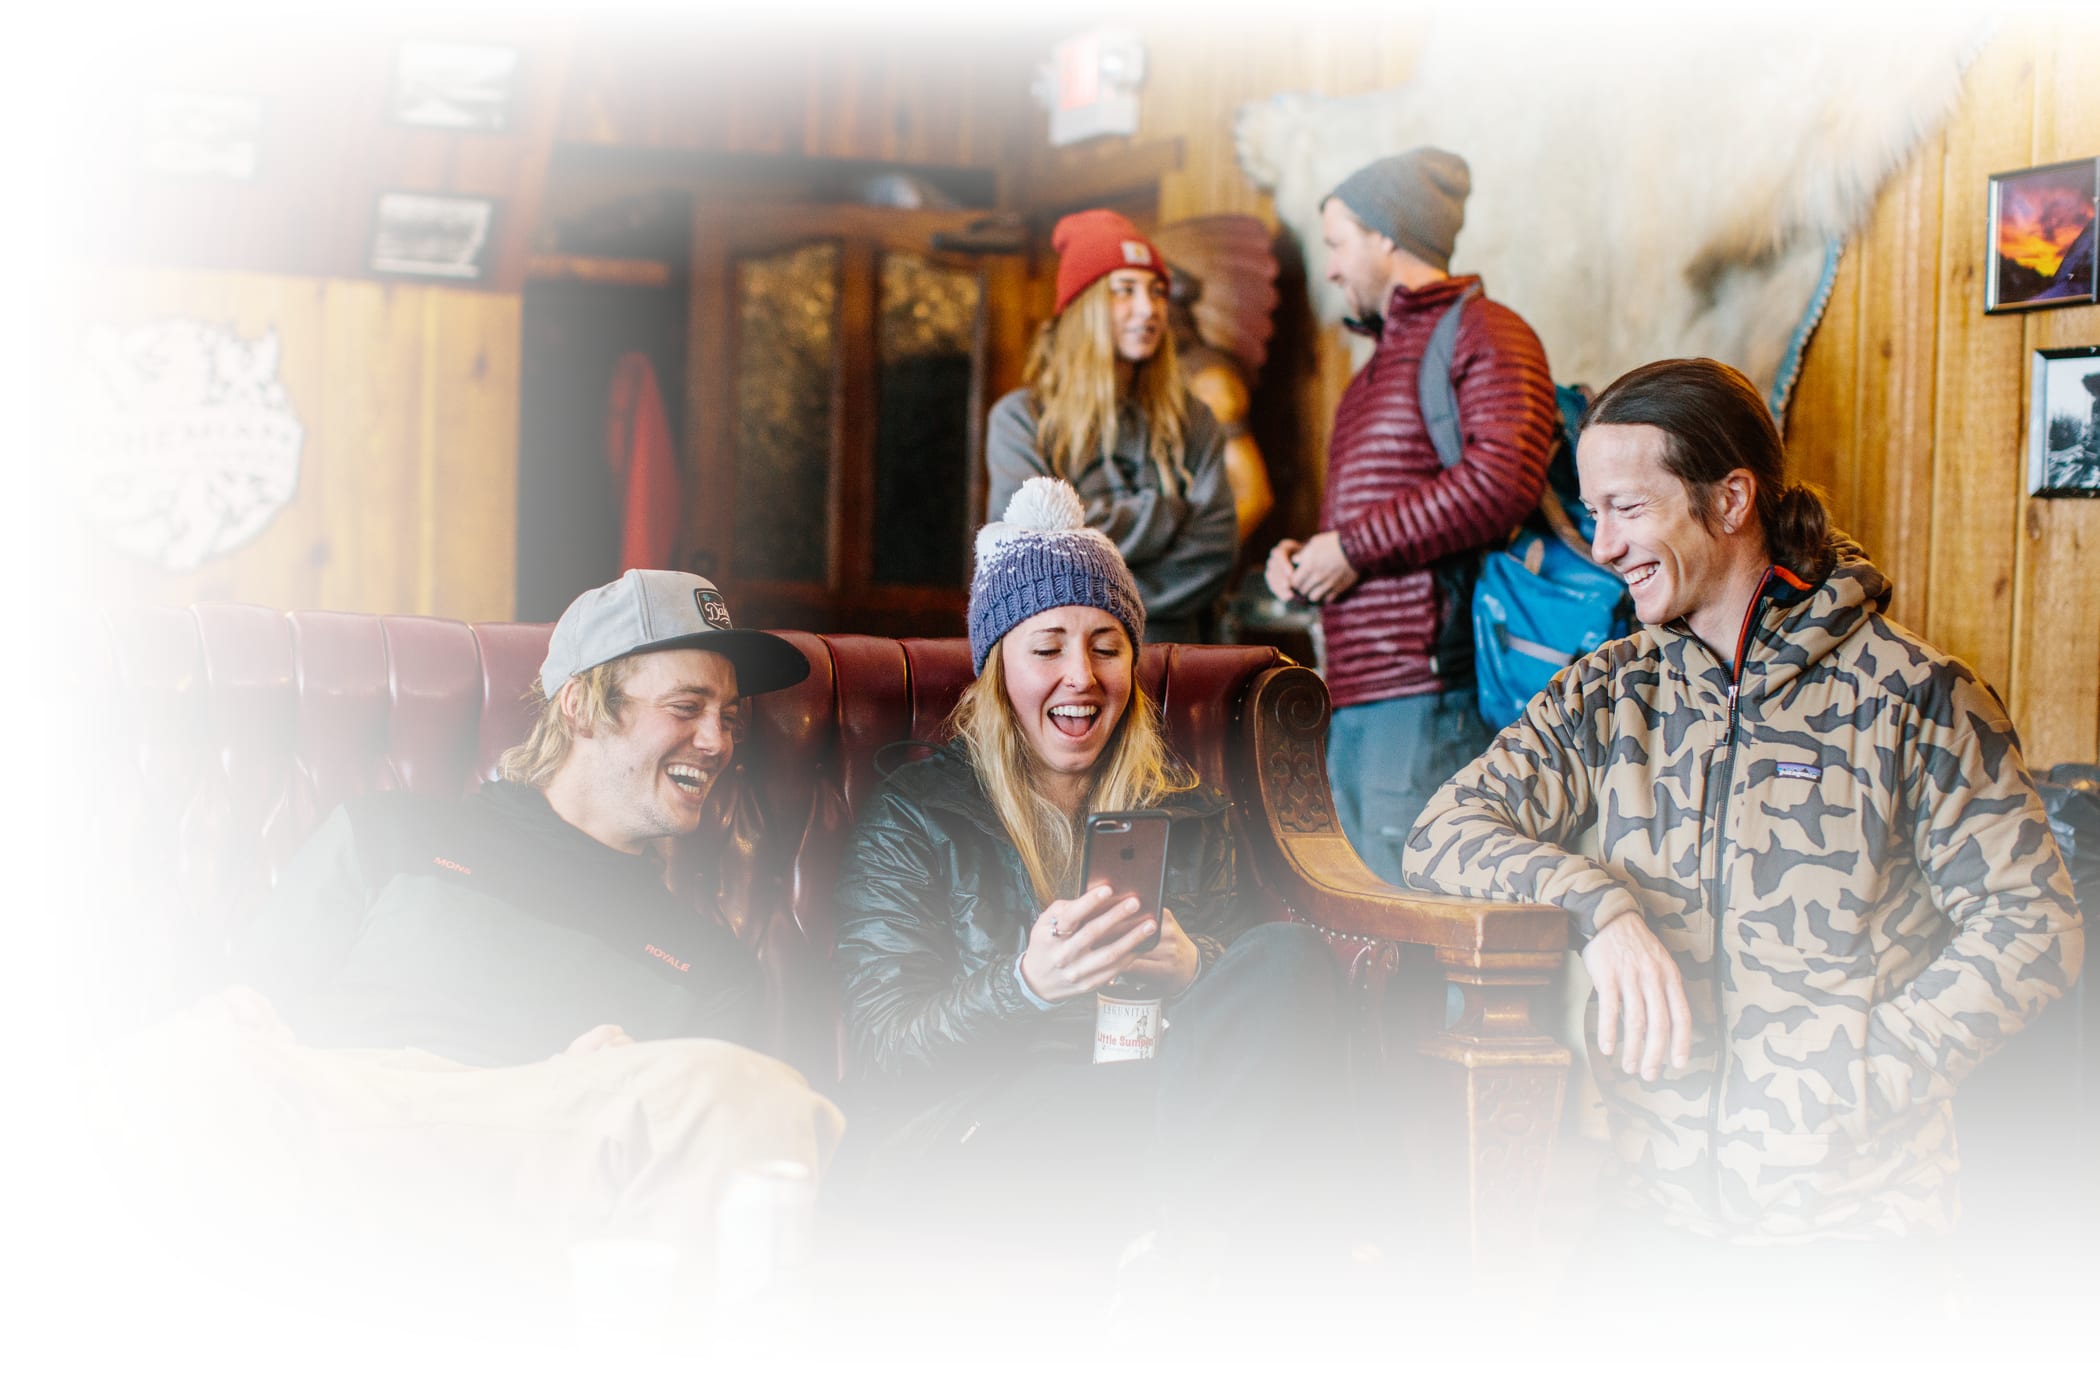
x=1125, y=1030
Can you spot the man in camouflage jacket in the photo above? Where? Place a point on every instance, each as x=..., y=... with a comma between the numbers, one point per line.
x=1809, y=874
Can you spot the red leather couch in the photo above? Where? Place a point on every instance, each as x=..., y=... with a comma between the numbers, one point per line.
x=249, y=725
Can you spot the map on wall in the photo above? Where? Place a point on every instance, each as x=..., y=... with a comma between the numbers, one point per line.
x=191, y=442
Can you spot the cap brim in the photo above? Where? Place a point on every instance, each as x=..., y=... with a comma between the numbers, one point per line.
x=763, y=661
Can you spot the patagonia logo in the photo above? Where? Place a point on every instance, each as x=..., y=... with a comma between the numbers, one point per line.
x=1798, y=770
x=714, y=608
x=655, y=952
x=451, y=865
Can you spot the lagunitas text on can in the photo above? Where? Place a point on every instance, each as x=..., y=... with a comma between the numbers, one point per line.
x=1125, y=1028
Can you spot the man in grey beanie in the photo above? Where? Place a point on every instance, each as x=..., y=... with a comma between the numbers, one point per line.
x=1398, y=635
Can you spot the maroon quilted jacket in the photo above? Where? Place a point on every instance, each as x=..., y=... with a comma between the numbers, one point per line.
x=1398, y=510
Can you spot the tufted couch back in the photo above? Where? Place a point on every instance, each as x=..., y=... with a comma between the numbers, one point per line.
x=251, y=725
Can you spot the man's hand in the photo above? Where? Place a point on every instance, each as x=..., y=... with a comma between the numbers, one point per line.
x=1078, y=945
x=1321, y=572
x=1171, y=966
x=599, y=1038
x=1277, y=573
x=1638, y=980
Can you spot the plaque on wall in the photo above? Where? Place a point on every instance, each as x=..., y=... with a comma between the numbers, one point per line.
x=2063, y=422
x=191, y=441
x=194, y=133
x=2044, y=223
x=432, y=235
x=457, y=87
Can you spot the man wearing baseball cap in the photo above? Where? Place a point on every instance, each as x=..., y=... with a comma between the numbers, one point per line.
x=551, y=874
x=494, y=1001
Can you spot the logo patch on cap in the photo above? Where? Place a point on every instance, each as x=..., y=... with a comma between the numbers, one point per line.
x=1137, y=253
x=714, y=609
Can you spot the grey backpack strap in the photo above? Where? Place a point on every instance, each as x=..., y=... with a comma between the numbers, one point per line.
x=1434, y=395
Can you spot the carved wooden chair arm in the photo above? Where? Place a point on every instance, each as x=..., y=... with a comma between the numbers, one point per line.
x=1499, y=1079
x=1310, y=864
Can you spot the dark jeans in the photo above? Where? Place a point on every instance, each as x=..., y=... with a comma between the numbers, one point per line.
x=1236, y=1128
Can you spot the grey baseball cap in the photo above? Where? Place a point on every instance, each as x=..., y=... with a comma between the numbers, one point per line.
x=659, y=610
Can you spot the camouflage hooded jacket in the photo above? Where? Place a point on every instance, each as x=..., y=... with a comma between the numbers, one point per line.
x=1847, y=859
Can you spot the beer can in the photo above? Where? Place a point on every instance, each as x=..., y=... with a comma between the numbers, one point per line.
x=765, y=1228
x=1125, y=1028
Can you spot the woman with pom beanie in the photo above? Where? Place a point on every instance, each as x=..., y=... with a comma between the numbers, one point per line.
x=971, y=958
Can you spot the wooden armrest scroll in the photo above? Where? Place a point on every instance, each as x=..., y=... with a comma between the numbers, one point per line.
x=1308, y=860
x=1499, y=1077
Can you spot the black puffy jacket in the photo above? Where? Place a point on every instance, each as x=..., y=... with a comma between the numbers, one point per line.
x=935, y=904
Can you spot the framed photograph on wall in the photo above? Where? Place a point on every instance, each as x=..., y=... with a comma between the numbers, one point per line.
x=2063, y=426
x=432, y=235
x=456, y=87
x=2043, y=237
x=200, y=133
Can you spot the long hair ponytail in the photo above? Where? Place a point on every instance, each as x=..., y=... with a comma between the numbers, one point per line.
x=1714, y=422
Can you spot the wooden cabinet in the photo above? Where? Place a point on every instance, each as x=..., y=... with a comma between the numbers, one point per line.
x=840, y=363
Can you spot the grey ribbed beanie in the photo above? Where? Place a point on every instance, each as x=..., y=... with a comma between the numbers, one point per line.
x=1417, y=199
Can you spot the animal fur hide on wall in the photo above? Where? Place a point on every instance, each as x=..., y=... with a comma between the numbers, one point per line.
x=1640, y=195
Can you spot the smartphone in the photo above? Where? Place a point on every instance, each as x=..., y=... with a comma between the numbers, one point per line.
x=1128, y=850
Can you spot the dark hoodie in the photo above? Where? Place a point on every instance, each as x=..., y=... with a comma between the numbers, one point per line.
x=490, y=931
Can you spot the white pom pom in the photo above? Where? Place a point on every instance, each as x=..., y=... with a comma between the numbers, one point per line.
x=1045, y=503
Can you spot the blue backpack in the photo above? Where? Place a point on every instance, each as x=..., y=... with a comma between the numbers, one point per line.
x=1538, y=603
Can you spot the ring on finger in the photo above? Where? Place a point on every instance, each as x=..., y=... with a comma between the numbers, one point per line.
x=1053, y=924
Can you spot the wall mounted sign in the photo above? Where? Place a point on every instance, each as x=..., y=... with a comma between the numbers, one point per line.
x=2043, y=230
x=191, y=445
x=1091, y=86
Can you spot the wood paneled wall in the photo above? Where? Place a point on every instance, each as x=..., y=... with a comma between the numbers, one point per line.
x=1911, y=411
x=407, y=494
x=1912, y=406
x=931, y=96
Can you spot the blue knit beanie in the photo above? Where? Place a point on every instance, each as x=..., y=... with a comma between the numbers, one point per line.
x=1042, y=556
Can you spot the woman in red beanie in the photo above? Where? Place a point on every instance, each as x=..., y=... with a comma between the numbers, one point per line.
x=1105, y=409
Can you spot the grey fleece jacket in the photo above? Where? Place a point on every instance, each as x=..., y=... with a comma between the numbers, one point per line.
x=1179, y=545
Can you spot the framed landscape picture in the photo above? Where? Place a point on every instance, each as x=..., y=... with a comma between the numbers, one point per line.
x=2063, y=426
x=457, y=87
x=2043, y=237
x=196, y=133
x=432, y=235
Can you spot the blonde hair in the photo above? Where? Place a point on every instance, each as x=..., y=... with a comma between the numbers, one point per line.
x=600, y=698
x=1136, y=770
x=1072, y=369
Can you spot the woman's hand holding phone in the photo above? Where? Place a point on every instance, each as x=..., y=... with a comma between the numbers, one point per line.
x=1082, y=944
x=1170, y=967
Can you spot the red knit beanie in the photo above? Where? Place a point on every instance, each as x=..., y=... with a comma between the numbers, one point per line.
x=1094, y=243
